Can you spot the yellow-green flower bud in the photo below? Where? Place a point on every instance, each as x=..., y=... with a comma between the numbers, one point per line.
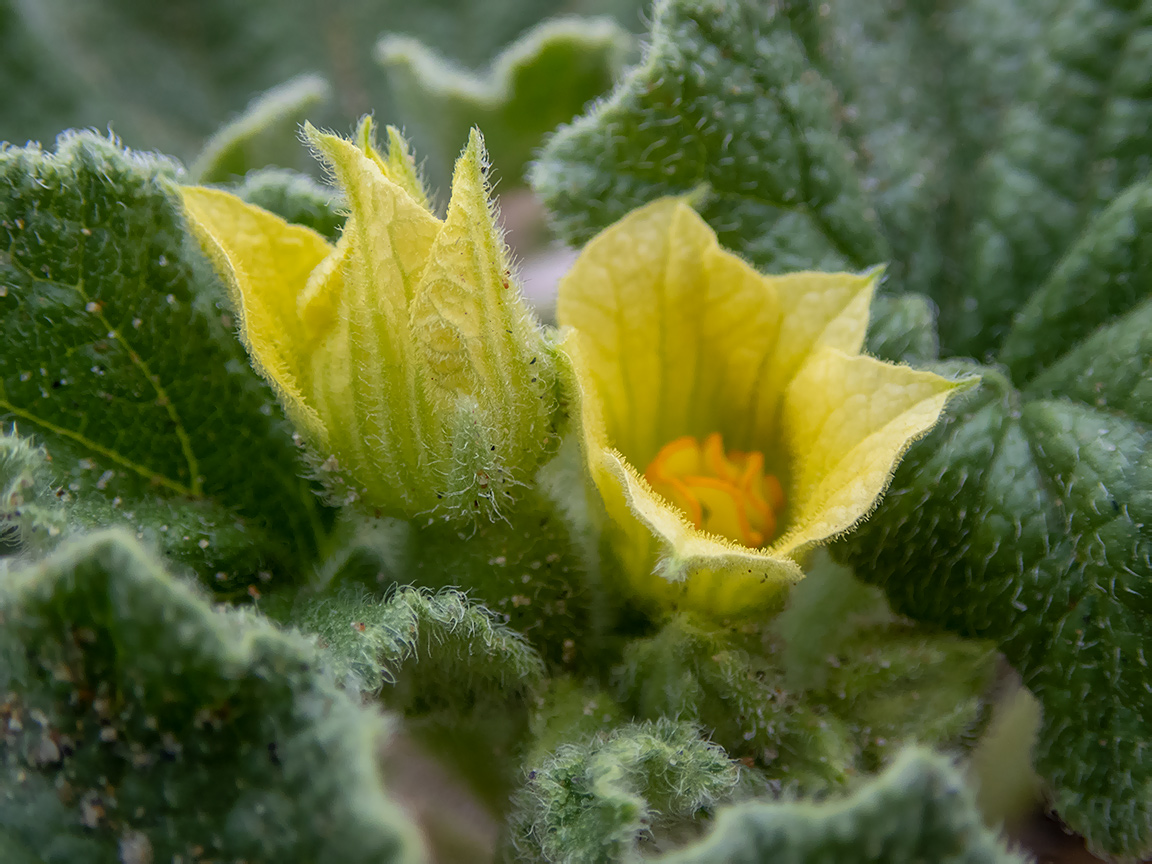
x=404, y=354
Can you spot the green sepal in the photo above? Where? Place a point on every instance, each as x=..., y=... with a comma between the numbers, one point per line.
x=142, y=723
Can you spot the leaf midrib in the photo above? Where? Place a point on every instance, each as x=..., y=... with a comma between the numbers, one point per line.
x=162, y=398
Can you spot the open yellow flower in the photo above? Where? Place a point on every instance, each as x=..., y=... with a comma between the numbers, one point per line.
x=730, y=422
x=403, y=354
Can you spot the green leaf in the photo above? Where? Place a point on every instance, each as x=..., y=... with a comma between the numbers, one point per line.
x=829, y=693
x=267, y=133
x=1024, y=518
x=903, y=329
x=119, y=359
x=590, y=802
x=463, y=653
x=37, y=512
x=923, y=87
x=541, y=80
x=532, y=568
x=725, y=98
x=1103, y=276
x=141, y=723
x=295, y=198
x=918, y=810
x=1081, y=133
x=463, y=680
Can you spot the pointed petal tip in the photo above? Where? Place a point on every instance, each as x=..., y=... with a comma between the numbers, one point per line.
x=396, y=140
x=364, y=135
x=475, y=139
x=311, y=133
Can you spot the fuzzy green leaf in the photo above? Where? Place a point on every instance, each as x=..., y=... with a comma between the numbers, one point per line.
x=142, y=724
x=588, y=803
x=1024, y=518
x=118, y=358
x=541, y=80
x=530, y=567
x=267, y=133
x=725, y=97
x=295, y=198
x=831, y=693
x=463, y=680
x=1105, y=275
x=463, y=653
x=38, y=511
x=923, y=88
x=1081, y=133
x=902, y=329
x=918, y=810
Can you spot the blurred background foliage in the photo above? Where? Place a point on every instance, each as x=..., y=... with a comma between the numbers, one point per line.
x=166, y=76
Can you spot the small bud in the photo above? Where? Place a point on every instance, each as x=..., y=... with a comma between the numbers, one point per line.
x=422, y=383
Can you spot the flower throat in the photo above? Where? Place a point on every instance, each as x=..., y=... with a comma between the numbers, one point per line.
x=725, y=493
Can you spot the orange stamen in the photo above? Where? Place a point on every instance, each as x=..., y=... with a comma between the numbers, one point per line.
x=725, y=493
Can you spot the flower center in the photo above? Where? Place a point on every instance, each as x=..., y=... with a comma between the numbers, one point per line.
x=725, y=493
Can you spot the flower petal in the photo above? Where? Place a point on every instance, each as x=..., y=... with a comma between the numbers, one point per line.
x=472, y=328
x=482, y=357
x=666, y=560
x=364, y=370
x=633, y=294
x=266, y=263
x=684, y=338
x=815, y=309
x=847, y=422
x=398, y=166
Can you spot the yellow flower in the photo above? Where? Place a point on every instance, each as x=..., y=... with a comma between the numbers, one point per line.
x=730, y=422
x=402, y=354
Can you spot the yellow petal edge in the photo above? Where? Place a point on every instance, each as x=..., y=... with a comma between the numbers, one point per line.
x=671, y=335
